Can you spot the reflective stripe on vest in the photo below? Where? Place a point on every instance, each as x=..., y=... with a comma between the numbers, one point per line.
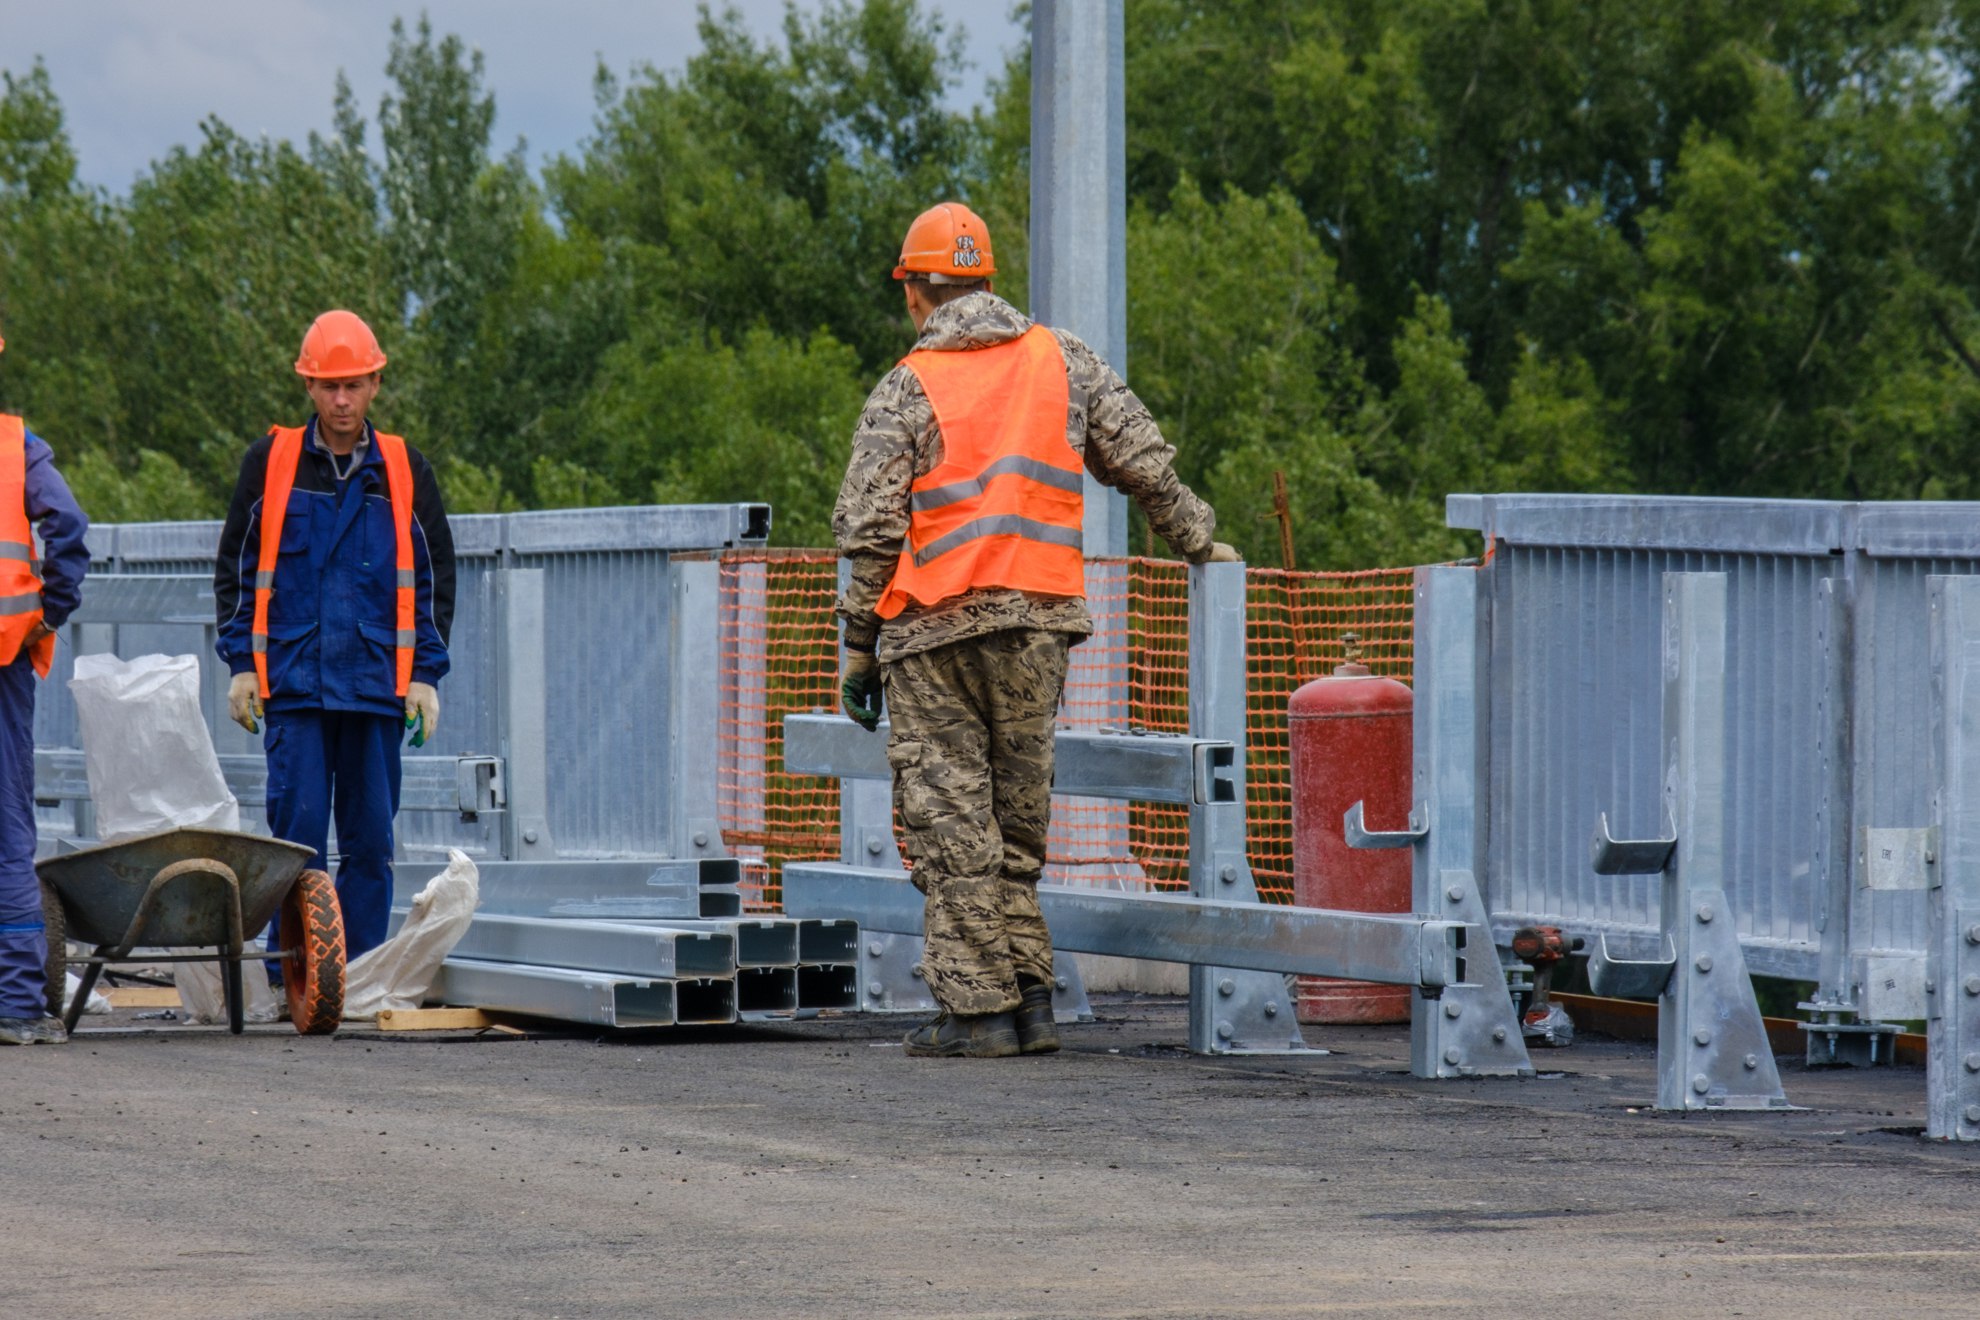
x=1004, y=506
x=283, y=455
x=20, y=570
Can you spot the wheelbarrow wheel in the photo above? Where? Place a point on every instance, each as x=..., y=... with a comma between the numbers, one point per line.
x=56, y=966
x=313, y=924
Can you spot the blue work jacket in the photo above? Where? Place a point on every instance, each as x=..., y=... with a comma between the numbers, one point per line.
x=60, y=523
x=331, y=620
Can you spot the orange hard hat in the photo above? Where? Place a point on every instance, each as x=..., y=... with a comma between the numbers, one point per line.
x=337, y=346
x=947, y=242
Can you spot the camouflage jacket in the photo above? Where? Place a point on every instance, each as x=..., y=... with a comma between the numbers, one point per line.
x=898, y=440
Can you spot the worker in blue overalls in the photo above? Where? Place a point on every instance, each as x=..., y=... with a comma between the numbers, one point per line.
x=334, y=591
x=36, y=597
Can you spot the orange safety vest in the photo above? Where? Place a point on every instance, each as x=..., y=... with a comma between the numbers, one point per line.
x=20, y=570
x=1004, y=506
x=283, y=456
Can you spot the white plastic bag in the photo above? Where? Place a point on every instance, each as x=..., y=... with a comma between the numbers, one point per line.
x=97, y=1003
x=398, y=973
x=201, y=998
x=145, y=747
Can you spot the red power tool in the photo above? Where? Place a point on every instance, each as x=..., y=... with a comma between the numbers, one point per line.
x=1544, y=948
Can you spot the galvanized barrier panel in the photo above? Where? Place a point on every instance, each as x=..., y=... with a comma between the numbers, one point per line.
x=1827, y=690
x=566, y=629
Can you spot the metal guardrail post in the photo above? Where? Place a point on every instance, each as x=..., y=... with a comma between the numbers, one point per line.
x=1712, y=1047
x=522, y=673
x=695, y=707
x=1471, y=1029
x=1952, y=854
x=1231, y=1011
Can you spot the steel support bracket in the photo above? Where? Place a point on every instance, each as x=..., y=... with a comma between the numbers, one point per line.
x=890, y=979
x=1629, y=978
x=1613, y=856
x=1358, y=835
x=478, y=785
x=1471, y=1028
x=1712, y=1046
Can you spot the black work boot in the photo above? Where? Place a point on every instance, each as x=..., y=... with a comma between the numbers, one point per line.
x=953, y=1036
x=1037, y=1033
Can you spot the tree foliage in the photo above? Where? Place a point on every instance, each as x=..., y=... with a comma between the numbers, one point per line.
x=1388, y=248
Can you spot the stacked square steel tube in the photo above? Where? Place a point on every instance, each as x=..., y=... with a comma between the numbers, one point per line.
x=636, y=944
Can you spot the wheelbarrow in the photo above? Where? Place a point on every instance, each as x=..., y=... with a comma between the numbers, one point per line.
x=192, y=888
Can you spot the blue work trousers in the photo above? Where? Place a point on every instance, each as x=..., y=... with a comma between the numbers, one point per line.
x=325, y=763
x=23, y=940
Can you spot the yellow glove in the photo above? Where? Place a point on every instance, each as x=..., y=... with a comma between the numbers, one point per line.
x=244, y=701
x=422, y=712
x=1220, y=553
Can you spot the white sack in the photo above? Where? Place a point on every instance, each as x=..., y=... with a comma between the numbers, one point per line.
x=145, y=746
x=398, y=973
x=201, y=998
x=97, y=1004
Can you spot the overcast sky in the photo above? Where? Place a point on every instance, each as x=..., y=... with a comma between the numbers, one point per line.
x=135, y=77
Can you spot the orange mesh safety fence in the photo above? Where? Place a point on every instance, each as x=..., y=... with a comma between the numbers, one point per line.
x=780, y=656
x=1294, y=623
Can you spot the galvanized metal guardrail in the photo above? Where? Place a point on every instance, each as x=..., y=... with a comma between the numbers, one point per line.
x=585, y=651
x=1827, y=688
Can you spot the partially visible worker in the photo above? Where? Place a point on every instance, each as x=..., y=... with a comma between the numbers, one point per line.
x=960, y=513
x=37, y=594
x=334, y=591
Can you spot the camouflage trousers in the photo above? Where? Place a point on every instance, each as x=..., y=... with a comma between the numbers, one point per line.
x=971, y=751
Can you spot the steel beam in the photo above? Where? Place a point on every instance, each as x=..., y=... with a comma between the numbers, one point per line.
x=759, y=941
x=522, y=677
x=831, y=985
x=1234, y=1006
x=694, y=707
x=1468, y=1029
x=627, y=948
x=823, y=941
x=1361, y=946
x=610, y=890
x=598, y=998
x=1114, y=764
x=668, y=527
x=1952, y=985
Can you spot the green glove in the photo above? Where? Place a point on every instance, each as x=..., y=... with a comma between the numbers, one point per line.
x=859, y=689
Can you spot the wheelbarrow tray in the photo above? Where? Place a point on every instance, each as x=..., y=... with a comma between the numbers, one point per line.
x=101, y=886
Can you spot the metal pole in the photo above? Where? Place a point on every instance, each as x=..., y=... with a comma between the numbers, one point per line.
x=1471, y=1029
x=523, y=675
x=1079, y=201
x=1230, y=1011
x=1712, y=1048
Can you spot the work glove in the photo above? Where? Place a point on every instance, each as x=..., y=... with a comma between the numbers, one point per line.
x=244, y=701
x=422, y=712
x=859, y=689
x=1220, y=553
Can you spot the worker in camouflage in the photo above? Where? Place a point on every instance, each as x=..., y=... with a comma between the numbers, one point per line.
x=973, y=667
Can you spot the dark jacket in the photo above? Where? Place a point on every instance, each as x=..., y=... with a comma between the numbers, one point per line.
x=331, y=620
x=60, y=523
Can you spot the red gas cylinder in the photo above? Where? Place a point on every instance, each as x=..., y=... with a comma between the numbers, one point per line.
x=1350, y=736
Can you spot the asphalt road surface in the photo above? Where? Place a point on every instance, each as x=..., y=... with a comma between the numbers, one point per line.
x=812, y=1170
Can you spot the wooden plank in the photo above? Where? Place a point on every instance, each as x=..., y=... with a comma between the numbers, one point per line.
x=142, y=996
x=436, y=1019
